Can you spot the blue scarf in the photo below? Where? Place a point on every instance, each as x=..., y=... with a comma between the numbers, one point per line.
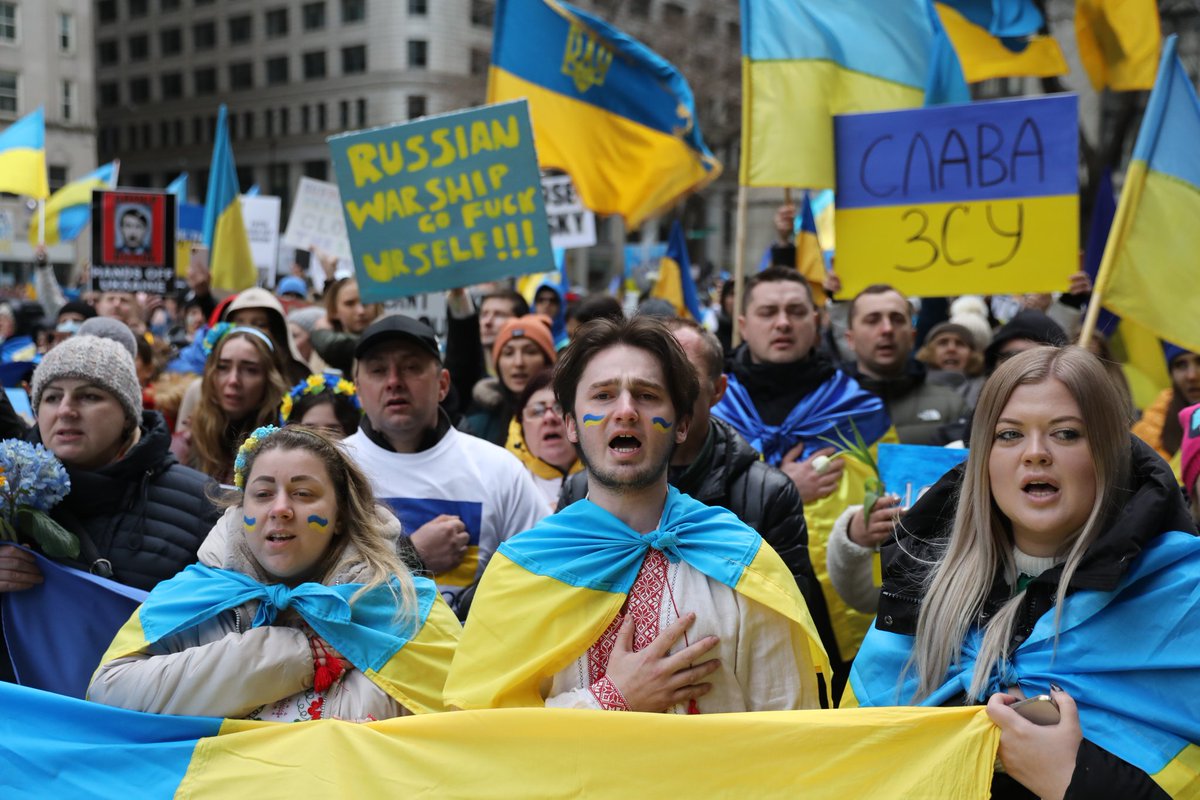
x=1129, y=657
x=583, y=545
x=368, y=633
x=824, y=412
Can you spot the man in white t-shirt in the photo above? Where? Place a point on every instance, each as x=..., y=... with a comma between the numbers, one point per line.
x=457, y=496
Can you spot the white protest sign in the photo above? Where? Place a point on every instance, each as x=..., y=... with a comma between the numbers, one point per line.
x=317, y=219
x=430, y=307
x=260, y=213
x=571, y=225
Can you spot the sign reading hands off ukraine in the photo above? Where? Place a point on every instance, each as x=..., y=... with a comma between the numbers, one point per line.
x=979, y=198
x=443, y=201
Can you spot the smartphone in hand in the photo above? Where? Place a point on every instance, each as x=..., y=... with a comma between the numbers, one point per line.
x=1040, y=709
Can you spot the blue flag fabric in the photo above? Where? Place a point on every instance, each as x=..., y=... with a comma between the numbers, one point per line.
x=825, y=412
x=607, y=559
x=1130, y=658
x=57, y=631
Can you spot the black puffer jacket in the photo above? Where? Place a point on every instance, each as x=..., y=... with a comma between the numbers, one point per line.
x=1150, y=505
x=146, y=513
x=729, y=473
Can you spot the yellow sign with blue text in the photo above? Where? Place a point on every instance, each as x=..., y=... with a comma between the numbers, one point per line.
x=443, y=201
x=980, y=198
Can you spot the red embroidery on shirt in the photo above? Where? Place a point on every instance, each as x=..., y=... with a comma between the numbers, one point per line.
x=644, y=604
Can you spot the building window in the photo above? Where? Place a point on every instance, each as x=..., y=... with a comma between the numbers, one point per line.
x=318, y=170
x=106, y=10
x=139, y=90
x=178, y=126
x=8, y=92
x=231, y=124
x=418, y=8
x=66, y=32
x=354, y=10
x=204, y=35
x=241, y=76
x=322, y=120
x=198, y=130
x=416, y=106
x=305, y=119
x=418, y=54
x=241, y=29
x=673, y=13
x=314, y=65
x=480, y=60
x=278, y=178
x=138, y=8
x=205, y=80
x=108, y=52
x=67, y=89
x=706, y=23
x=170, y=41
x=360, y=112
x=169, y=5
x=277, y=70
x=313, y=15
x=57, y=176
x=354, y=59
x=277, y=23
x=171, y=85
x=639, y=8
x=139, y=47
x=285, y=122
x=110, y=94
x=248, y=124
x=269, y=114
x=344, y=114
x=481, y=13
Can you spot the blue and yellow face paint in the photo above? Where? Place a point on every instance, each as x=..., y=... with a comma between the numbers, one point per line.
x=248, y=523
x=318, y=524
x=661, y=425
x=592, y=419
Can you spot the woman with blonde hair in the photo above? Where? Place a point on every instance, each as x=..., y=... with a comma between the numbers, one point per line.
x=301, y=608
x=1061, y=555
x=240, y=390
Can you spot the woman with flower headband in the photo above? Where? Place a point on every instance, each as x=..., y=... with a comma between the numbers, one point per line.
x=240, y=390
x=326, y=401
x=309, y=615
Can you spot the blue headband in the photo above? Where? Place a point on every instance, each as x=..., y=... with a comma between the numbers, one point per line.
x=223, y=329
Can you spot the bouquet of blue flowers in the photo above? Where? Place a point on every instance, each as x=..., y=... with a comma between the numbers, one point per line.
x=33, y=481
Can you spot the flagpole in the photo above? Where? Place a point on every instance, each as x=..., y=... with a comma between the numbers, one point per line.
x=739, y=262
x=1131, y=194
x=42, y=222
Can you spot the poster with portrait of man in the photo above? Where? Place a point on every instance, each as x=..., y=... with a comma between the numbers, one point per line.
x=133, y=241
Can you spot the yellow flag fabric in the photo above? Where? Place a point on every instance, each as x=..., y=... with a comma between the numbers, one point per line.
x=983, y=56
x=1119, y=42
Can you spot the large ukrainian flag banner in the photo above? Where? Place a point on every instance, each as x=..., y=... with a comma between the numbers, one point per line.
x=57, y=746
x=1000, y=38
x=605, y=108
x=1149, y=272
x=229, y=259
x=803, y=61
x=23, y=157
x=70, y=208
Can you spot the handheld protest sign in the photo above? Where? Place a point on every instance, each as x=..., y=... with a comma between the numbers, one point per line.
x=133, y=242
x=571, y=225
x=443, y=201
x=980, y=198
x=317, y=219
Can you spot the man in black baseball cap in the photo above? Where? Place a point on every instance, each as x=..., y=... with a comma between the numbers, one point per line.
x=395, y=328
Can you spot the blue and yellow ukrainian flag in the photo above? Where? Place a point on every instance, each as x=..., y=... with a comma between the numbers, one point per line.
x=23, y=157
x=1119, y=42
x=803, y=61
x=229, y=259
x=1000, y=38
x=178, y=187
x=1149, y=273
x=605, y=108
x=674, y=283
x=79, y=749
x=810, y=258
x=549, y=593
x=70, y=208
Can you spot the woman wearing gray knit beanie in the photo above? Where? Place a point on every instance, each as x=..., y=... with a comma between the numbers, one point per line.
x=139, y=514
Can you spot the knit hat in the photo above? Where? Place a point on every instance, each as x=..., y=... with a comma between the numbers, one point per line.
x=109, y=328
x=1027, y=324
x=955, y=328
x=1189, y=447
x=1172, y=352
x=101, y=361
x=307, y=318
x=534, y=327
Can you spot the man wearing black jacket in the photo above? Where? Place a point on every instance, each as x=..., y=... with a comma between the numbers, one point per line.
x=716, y=466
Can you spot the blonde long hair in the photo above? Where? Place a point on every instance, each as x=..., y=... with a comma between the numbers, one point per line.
x=357, y=521
x=981, y=540
x=215, y=438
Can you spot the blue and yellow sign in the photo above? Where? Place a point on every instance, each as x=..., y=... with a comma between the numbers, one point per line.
x=443, y=201
x=980, y=198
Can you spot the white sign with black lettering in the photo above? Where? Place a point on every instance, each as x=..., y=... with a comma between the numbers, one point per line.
x=571, y=225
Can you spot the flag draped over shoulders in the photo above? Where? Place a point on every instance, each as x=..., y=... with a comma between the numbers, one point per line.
x=605, y=108
x=407, y=657
x=1139, y=700
x=550, y=592
x=1149, y=273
